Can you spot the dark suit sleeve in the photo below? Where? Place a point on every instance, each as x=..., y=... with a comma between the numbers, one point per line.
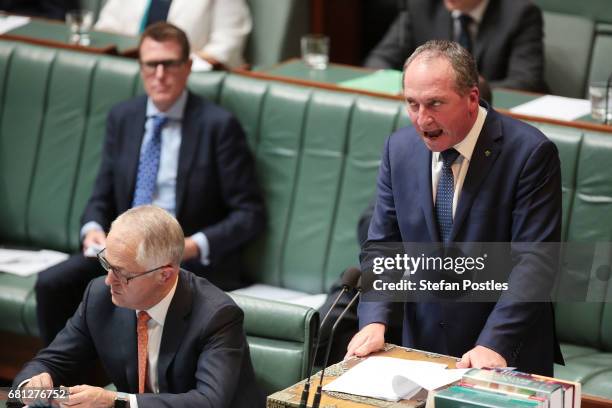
x=536, y=219
x=101, y=205
x=240, y=192
x=525, y=69
x=71, y=350
x=224, y=347
x=383, y=228
x=395, y=46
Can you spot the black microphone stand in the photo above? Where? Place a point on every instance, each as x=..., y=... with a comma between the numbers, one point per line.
x=315, y=346
x=317, y=398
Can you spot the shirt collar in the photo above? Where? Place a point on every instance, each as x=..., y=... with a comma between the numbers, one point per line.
x=175, y=112
x=466, y=146
x=160, y=310
x=476, y=13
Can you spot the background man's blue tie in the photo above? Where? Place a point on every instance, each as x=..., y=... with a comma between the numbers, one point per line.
x=444, y=194
x=464, y=34
x=148, y=165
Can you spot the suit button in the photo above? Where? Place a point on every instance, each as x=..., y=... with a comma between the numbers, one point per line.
x=442, y=324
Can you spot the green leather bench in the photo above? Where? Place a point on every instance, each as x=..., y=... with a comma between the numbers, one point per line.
x=317, y=154
x=53, y=107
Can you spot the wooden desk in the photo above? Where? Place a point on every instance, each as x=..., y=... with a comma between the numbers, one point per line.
x=296, y=72
x=55, y=34
x=290, y=397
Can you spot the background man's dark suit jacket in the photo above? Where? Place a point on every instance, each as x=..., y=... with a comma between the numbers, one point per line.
x=204, y=359
x=512, y=194
x=508, y=48
x=216, y=188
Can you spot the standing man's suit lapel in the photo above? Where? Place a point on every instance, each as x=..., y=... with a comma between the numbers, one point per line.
x=190, y=131
x=485, y=153
x=423, y=168
x=174, y=328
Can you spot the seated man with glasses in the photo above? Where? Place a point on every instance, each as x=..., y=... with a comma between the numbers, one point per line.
x=177, y=151
x=164, y=336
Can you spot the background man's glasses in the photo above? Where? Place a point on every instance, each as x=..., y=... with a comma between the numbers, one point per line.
x=149, y=67
x=120, y=277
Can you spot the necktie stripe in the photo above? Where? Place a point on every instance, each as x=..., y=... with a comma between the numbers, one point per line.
x=148, y=165
x=143, y=344
x=444, y=195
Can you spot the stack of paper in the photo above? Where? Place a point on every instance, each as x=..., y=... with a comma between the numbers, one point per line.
x=393, y=379
x=26, y=263
x=9, y=23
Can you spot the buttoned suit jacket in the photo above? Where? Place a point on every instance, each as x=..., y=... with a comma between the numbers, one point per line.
x=204, y=359
x=508, y=48
x=511, y=193
x=216, y=188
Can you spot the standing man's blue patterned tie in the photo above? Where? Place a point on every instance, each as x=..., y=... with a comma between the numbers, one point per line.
x=465, y=39
x=444, y=194
x=148, y=165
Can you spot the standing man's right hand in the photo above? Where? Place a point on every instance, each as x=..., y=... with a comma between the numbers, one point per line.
x=368, y=340
x=95, y=239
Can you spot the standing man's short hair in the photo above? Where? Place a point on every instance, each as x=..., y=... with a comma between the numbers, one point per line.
x=464, y=66
x=162, y=31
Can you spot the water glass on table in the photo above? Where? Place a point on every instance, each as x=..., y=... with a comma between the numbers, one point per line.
x=79, y=24
x=315, y=50
x=597, y=94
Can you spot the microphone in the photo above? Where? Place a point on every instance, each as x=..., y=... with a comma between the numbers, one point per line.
x=350, y=278
x=317, y=397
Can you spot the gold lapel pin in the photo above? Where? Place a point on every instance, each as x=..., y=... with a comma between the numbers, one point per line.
x=487, y=152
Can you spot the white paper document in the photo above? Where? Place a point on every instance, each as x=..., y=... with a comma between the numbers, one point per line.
x=295, y=297
x=200, y=64
x=26, y=263
x=393, y=379
x=555, y=107
x=8, y=23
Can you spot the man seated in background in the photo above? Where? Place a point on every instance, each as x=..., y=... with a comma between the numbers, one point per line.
x=174, y=150
x=217, y=29
x=504, y=36
x=162, y=334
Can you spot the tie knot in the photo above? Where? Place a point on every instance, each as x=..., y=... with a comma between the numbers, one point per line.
x=465, y=19
x=143, y=317
x=449, y=156
x=159, y=121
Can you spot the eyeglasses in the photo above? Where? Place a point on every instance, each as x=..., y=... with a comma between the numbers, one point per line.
x=120, y=277
x=149, y=67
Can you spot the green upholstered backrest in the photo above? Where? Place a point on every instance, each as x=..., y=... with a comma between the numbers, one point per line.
x=51, y=132
x=277, y=28
x=567, y=56
x=601, y=61
x=588, y=216
x=278, y=335
x=597, y=10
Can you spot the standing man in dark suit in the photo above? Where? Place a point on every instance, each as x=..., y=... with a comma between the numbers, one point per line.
x=174, y=150
x=505, y=37
x=163, y=335
x=465, y=173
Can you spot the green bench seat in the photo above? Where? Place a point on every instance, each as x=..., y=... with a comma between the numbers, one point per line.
x=317, y=154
